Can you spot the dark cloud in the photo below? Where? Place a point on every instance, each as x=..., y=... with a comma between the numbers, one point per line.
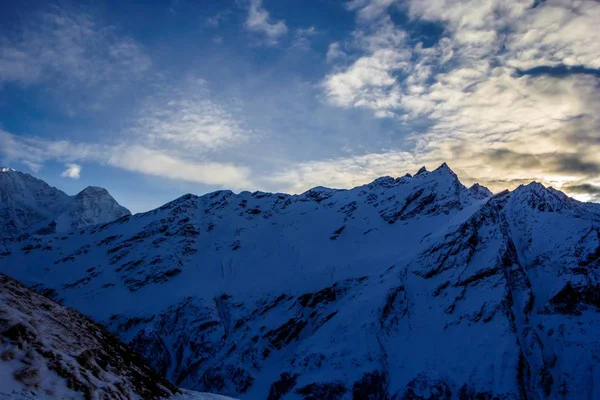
x=582, y=188
x=559, y=71
x=509, y=158
x=551, y=162
x=568, y=163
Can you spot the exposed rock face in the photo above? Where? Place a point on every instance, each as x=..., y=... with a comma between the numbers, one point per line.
x=30, y=205
x=406, y=288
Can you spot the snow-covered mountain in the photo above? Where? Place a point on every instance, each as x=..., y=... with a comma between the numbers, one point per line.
x=406, y=288
x=28, y=204
x=49, y=351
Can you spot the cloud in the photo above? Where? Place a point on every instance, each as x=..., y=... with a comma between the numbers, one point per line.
x=334, y=52
x=70, y=45
x=583, y=188
x=343, y=172
x=492, y=122
x=184, y=116
x=302, y=37
x=128, y=156
x=216, y=20
x=77, y=59
x=73, y=171
x=370, y=82
x=369, y=10
x=259, y=21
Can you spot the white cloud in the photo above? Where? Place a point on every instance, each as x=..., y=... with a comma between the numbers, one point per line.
x=334, y=52
x=259, y=21
x=184, y=117
x=127, y=156
x=159, y=163
x=72, y=45
x=73, y=171
x=369, y=10
x=343, y=172
x=80, y=61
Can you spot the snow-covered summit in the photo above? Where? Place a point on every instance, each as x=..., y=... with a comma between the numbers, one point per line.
x=91, y=206
x=28, y=204
x=480, y=191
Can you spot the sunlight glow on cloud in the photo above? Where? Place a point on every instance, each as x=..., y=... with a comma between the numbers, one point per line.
x=491, y=123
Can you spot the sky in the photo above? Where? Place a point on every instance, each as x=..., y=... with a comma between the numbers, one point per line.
x=155, y=99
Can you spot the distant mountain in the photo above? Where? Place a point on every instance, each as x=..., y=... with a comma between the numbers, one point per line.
x=49, y=351
x=406, y=288
x=30, y=205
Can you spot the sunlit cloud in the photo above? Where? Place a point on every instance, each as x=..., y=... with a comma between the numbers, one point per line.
x=488, y=116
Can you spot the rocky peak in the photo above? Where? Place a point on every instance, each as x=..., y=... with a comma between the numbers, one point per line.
x=92, y=191
x=480, y=191
x=421, y=170
x=93, y=205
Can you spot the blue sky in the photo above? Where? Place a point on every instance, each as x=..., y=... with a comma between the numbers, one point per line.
x=156, y=99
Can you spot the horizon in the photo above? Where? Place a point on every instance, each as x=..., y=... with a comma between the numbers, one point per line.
x=4, y=169
x=152, y=101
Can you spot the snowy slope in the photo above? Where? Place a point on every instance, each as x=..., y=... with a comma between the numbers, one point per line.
x=49, y=351
x=28, y=204
x=414, y=287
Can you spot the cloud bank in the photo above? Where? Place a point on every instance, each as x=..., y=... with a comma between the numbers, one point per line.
x=494, y=121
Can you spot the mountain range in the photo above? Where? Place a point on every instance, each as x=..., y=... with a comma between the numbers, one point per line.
x=405, y=288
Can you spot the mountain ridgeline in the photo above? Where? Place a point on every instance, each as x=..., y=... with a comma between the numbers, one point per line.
x=405, y=288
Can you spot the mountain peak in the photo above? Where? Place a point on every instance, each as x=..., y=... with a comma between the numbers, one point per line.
x=480, y=191
x=421, y=170
x=6, y=169
x=93, y=191
x=444, y=168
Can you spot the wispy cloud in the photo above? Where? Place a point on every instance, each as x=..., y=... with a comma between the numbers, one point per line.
x=73, y=171
x=334, y=52
x=127, y=156
x=71, y=50
x=259, y=21
x=302, y=37
x=369, y=10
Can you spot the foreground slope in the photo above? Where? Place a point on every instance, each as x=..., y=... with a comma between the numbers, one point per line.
x=48, y=351
x=414, y=287
x=28, y=204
